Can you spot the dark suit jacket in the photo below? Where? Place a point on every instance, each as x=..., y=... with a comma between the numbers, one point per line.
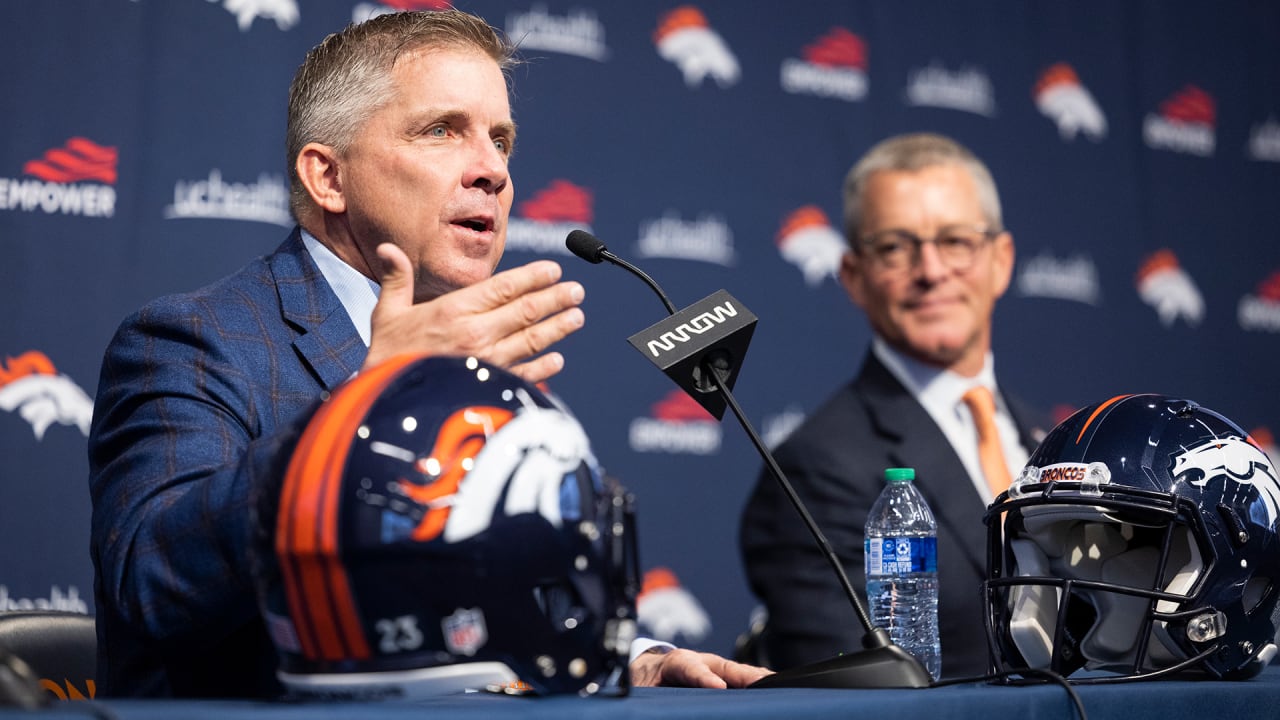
x=836, y=460
x=194, y=389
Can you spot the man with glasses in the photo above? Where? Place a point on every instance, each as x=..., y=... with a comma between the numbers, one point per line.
x=928, y=258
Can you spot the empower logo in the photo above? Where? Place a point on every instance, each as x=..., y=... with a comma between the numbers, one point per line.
x=1061, y=97
x=807, y=240
x=32, y=386
x=367, y=10
x=678, y=425
x=1184, y=124
x=834, y=66
x=685, y=38
x=74, y=179
x=548, y=216
x=1165, y=286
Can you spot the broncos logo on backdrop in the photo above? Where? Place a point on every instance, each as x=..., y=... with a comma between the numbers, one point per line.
x=668, y=610
x=685, y=38
x=807, y=240
x=1236, y=460
x=1060, y=96
x=31, y=385
x=284, y=12
x=1165, y=286
x=485, y=454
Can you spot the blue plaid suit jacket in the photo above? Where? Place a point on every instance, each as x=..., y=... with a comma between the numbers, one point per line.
x=194, y=390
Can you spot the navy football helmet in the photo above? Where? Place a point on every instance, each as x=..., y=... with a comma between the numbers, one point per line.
x=1140, y=539
x=440, y=524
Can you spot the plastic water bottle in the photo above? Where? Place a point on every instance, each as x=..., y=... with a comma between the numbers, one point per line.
x=902, y=568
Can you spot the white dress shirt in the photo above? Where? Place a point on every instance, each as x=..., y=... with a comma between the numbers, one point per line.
x=940, y=392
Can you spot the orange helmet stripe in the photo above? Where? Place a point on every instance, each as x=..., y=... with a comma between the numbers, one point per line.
x=1098, y=412
x=316, y=586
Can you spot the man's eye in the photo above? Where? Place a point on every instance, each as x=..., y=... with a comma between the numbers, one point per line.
x=503, y=145
x=438, y=131
x=956, y=241
x=889, y=247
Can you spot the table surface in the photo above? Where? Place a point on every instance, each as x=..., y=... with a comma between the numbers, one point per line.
x=1165, y=700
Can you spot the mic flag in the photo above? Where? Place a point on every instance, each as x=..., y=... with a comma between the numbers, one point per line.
x=716, y=329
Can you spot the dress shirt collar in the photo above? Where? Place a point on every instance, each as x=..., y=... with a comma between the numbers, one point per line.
x=357, y=293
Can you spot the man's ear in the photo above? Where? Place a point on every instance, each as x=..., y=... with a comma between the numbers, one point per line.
x=317, y=167
x=851, y=276
x=1004, y=256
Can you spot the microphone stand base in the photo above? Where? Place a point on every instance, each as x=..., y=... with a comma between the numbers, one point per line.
x=882, y=667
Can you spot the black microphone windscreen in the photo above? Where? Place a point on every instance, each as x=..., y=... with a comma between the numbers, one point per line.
x=585, y=245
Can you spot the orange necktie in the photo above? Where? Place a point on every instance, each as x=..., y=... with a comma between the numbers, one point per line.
x=983, y=408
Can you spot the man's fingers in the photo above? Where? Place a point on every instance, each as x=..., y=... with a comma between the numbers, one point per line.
x=397, y=276
x=509, y=285
x=540, y=368
x=528, y=342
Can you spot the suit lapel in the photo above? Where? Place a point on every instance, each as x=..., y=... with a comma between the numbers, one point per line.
x=327, y=340
x=915, y=441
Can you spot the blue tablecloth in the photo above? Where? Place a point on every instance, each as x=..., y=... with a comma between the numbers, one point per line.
x=1165, y=700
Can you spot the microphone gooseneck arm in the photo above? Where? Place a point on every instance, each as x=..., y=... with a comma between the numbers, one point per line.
x=590, y=248
x=881, y=663
x=875, y=636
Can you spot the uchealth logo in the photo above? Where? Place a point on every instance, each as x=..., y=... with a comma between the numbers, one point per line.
x=265, y=201
x=1165, y=286
x=74, y=179
x=1184, y=124
x=669, y=612
x=685, y=38
x=967, y=89
x=1264, y=141
x=678, y=425
x=1063, y=99
x=778, y=427
x=707, y=238
x=1072, y=278
x=547, y=217
x=579, y=32
x=833, y=66
x=30, y=385
x=283, y=12
x=808, y=241
x=1260, y=312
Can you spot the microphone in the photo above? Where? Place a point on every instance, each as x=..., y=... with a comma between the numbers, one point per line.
x=589, y=248
x=881, y=663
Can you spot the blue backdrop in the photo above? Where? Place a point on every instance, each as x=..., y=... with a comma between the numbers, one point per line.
x=1136, y=146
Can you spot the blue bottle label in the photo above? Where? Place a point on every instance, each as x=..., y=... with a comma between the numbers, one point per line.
x=901, y=555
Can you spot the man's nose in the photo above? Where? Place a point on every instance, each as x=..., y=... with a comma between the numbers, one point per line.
x=488, y=167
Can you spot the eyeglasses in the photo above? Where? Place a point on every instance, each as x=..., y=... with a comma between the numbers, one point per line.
x=957, y=246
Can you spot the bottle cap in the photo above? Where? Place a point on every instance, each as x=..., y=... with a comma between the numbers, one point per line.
x=899, y=475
